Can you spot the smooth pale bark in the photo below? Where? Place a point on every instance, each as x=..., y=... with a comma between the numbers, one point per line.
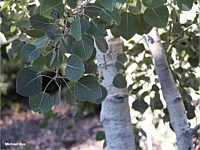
x=115, y=114
x=175, y=106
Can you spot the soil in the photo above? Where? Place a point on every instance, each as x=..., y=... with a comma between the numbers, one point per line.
x=20, y=130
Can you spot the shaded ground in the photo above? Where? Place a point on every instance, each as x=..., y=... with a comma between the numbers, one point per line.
x=23, y=128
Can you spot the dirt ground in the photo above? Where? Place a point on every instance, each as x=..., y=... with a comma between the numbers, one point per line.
x=21, y=130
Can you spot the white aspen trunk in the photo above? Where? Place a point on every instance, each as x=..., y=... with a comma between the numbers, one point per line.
x=115, y=114
x=171, y=94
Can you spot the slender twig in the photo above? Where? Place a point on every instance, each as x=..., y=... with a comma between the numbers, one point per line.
x=47, y=85
x=45, y=91
x=10, y=40
x=64, y=81
x=66, y=85
x=45, y=76
x=47, y=70
x=80, y=7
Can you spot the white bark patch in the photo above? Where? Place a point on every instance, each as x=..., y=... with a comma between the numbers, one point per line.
x=115, y=114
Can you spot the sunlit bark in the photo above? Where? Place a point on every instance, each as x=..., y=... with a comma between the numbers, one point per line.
x=115, y=112
x=175, y=106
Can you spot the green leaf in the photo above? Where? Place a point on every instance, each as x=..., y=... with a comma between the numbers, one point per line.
x=129, y=25
x=157, y=17
x=135, y=7
x=119, y=81
x=29, y=52
x=40, y=22
x=35, y=33
x=108, y=4
x=104, y=144
x=15, y=52
x=185, y=5
x=70, y=93
x=23, y=24
x=101, y=99
x=5, y=5
x=92, y=11
x=194, y=61
x=100, y=135
x=153, y=3
x=155, y=88
x=54, y=33
x=40, y=62
x=50, y=34
x=144, y=27
x=76, y=28
x=96, y=30
x=121, y=59
x=166, y=117
x=101, y=44
x=87, y=89
x=115, y=32
x=110, y=17
x=144, y=94
x=53, y=57
x=29, y=82
x=66, y=44
x=93, y=56
x=84, y=47
x=70, y=97
x=121, y=1
x=74, y=68
x=142, y=77
x=174, y=15
x=140, y=105
x=90, y=67
x=58, y=97
x=190, y=111
x=47, y=7
x=84, y=25
x=137, y=49
x=189, y=107
x=41, y=103
x=17, y=46
x=41, y=42
x=72, y=3
x=155, y=102
x=12, y=28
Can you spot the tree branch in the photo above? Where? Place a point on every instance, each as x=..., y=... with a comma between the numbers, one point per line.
x=10, y=40
x=195, y=129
